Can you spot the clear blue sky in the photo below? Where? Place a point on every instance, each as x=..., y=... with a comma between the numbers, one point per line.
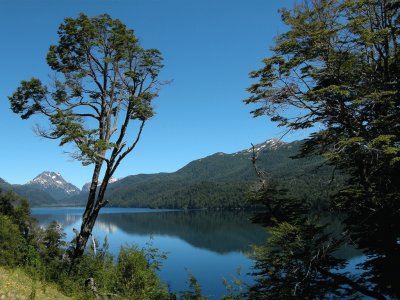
x=209, y=47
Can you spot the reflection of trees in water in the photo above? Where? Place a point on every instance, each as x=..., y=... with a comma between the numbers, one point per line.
x=335, y=228
x=106, y=227
x=217, y=231
x=64, y=220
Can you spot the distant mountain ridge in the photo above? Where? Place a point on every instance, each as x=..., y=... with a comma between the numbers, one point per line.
x=35, y=197
x=46, y=189
x=217, y=181
x=223, y=180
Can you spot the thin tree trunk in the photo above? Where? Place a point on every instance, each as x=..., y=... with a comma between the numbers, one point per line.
x=94, y=203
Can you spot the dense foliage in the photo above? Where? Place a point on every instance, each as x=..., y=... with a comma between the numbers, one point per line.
x=41, y=252
x=103, y=82
x=217, y=181
x=223, y=181
x=337, y=68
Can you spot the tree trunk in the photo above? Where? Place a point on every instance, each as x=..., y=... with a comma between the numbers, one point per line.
x=94, y=203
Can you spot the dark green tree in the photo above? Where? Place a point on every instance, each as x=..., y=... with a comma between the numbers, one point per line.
x=103, y=82
x=11, y=242
x=337, y=70
x=298, y=258
x=52, y=248
x=16, y=226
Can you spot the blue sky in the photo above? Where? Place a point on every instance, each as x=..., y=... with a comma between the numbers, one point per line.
x=209, y=47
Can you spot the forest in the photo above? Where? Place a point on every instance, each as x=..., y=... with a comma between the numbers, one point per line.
x=335, y=70
x=339, y=64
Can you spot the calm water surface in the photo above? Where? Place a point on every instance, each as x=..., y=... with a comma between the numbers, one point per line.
x=208, y=244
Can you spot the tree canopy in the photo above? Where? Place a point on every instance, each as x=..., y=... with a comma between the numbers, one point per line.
x=337, y=70
x=103, y=81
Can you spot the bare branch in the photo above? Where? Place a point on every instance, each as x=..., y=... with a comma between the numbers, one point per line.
x=127, y=151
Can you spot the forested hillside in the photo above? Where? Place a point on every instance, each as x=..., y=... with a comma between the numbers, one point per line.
x=35, y=196
x=224, y=180
x=217, y=181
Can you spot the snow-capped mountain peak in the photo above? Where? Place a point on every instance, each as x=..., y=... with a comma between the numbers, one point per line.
x=48, y=177
x=54, y=184
x=271, y=144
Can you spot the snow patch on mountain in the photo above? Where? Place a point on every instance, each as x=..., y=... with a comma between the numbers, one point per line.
x=86, y=186
x=272, y=144
x=54, y=184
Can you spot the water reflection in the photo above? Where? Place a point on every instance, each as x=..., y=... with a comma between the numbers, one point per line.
x=208, y=244
x=220, y=232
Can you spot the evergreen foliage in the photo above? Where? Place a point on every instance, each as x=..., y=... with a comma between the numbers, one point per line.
x=222, y=181
x=338, y=67
x=104, y=81
x=34, y=196
x=11, y=241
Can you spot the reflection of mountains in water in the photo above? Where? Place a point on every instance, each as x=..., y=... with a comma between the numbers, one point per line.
x=64, y=220
x=217, y=231
x=220, y=232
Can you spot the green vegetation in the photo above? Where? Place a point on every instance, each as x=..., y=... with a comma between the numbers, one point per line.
x=103, y=82
x=34, y=196
x=40, y=254
x=16, y=284
x=219, y=181
x=339, y=66
x=336, y=68
x=223, y=181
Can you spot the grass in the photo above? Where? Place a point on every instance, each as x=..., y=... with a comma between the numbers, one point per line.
x=15, y=284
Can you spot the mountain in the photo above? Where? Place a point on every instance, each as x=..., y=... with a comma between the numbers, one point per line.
x=86, y=186
x=223, y=180
x=217, y=181
x=46, y=189
x=53, y=184
x=4, y=185
x=34, y=196
x=3, y=182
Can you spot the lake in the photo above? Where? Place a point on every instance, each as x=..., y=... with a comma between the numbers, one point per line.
x=211, y=245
